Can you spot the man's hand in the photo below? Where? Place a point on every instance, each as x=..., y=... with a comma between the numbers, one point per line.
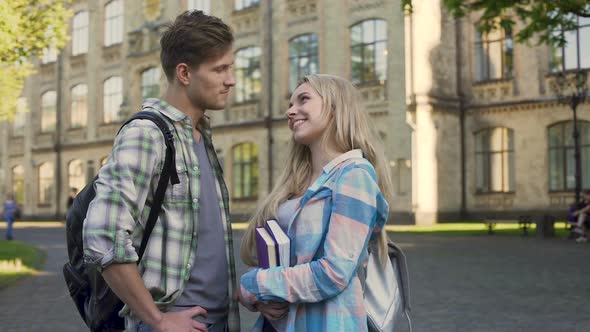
x=181, y=321
x=273, y=310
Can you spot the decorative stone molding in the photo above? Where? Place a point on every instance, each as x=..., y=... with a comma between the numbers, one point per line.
x=145, y=39
x=16, y=146
x=360, y=5
x=296, y=9
x=44, y=140
x=152, y=9
x=499, y=201
x=78, y=62
x=374, y=98
x=246, y=20
x=244, y=112
x=75, y=135
x=112, y=53
x=561, y=200
x=108, y=130
x=47, y=70
x=498, y=90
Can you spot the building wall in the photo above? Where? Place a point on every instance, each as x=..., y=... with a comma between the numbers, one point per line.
x=239, y=123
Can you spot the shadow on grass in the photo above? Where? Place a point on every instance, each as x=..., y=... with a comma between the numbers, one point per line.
x=18, y=260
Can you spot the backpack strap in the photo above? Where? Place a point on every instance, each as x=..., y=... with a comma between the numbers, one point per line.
x=168, y=172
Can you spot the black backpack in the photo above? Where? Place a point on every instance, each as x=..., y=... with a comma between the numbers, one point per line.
x=95, y=301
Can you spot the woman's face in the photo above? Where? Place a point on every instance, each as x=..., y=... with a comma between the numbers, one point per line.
x=305, y=115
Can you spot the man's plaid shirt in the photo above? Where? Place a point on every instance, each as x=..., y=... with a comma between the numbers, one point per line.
x=114, y=225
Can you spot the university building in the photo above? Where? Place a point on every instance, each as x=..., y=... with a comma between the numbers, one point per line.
x=470, y=123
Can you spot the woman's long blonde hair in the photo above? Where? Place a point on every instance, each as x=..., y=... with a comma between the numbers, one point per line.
x=348, y=128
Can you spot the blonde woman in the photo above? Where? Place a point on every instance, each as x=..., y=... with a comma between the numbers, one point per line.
x=331, y=201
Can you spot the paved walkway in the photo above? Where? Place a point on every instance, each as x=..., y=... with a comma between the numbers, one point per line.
x=478, y=283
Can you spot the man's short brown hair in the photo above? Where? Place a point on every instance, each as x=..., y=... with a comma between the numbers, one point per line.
x=193, y=38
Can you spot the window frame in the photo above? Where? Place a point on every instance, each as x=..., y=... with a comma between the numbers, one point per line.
x=506, y=41
x=154, y=78
x=564, y=153
x=80, y=33
x=48, y=127
x=245, y=4
x=507, y=154
x=79, y=106
x=245, y=81
x=311, y=53
x=19, y=195
x=363, y=45
x=113, y=20
x=109, y=92
x=554, y=66
x=239, y=166
x=49, y=179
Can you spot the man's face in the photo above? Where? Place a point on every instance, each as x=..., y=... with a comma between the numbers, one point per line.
x=211, y=82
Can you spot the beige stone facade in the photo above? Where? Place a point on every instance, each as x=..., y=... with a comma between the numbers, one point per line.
x=427, y=110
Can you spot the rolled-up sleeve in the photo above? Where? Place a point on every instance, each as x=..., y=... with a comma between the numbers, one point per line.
x=355, y=212
x=122, y=189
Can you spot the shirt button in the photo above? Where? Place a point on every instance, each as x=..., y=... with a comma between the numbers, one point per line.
x=188, y=266
x=195, y=200
x=195, y=168
x=194, y=233
x=178, y=168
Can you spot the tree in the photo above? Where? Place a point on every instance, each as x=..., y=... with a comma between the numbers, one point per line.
x=540, y=18
x=27, y=28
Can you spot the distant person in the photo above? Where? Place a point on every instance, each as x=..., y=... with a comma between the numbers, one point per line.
x=10, y=213
x=580, y=215
x=73, y=193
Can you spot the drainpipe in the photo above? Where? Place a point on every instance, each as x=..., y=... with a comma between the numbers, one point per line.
x=58, y=132
x=458, y=65
x=268, y=120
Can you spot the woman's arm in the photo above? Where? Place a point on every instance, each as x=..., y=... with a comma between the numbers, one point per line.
x=357, y=207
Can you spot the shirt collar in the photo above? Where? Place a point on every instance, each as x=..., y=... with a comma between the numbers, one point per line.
x=175, y=114
x=352, y=154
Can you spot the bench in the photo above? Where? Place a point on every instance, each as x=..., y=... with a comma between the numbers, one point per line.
x=524, y=223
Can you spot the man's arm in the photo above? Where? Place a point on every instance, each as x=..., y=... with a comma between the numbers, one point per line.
x=125, y=281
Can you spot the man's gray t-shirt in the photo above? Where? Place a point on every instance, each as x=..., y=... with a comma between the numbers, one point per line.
x=207, y=285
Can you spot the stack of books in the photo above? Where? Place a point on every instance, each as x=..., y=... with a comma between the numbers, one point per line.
x=273, y=245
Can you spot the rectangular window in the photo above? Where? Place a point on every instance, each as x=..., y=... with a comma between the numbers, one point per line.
x=113, y=25
x=80, y=33
x=494, y=56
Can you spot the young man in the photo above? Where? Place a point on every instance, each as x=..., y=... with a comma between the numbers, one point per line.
x=186, y=278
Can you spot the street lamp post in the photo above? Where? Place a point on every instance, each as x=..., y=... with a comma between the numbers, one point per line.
x=571, y=88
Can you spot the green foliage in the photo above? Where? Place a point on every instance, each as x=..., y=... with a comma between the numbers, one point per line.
x=535, y=18
x=27, y=27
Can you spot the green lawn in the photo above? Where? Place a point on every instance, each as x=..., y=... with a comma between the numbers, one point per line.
x=475, y=228
x=18, y=260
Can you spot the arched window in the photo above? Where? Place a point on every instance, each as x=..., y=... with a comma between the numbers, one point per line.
x=248, y=76
x=494, y=160
x=79, y=108
x=562, y=167
x=76, y=174
x=368, y=45
x=48, y=111
x=80, y=33
x=112, y=99
x=46, y=179
x=303, y=58
x=245, y=171
x=18, y=183
x=494, y=55
x=113, y=23
x=150, y=83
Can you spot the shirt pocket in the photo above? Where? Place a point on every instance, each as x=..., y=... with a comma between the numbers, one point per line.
x=180, y=191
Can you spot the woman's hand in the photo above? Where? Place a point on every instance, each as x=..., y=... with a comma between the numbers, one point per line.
x=273, y=310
